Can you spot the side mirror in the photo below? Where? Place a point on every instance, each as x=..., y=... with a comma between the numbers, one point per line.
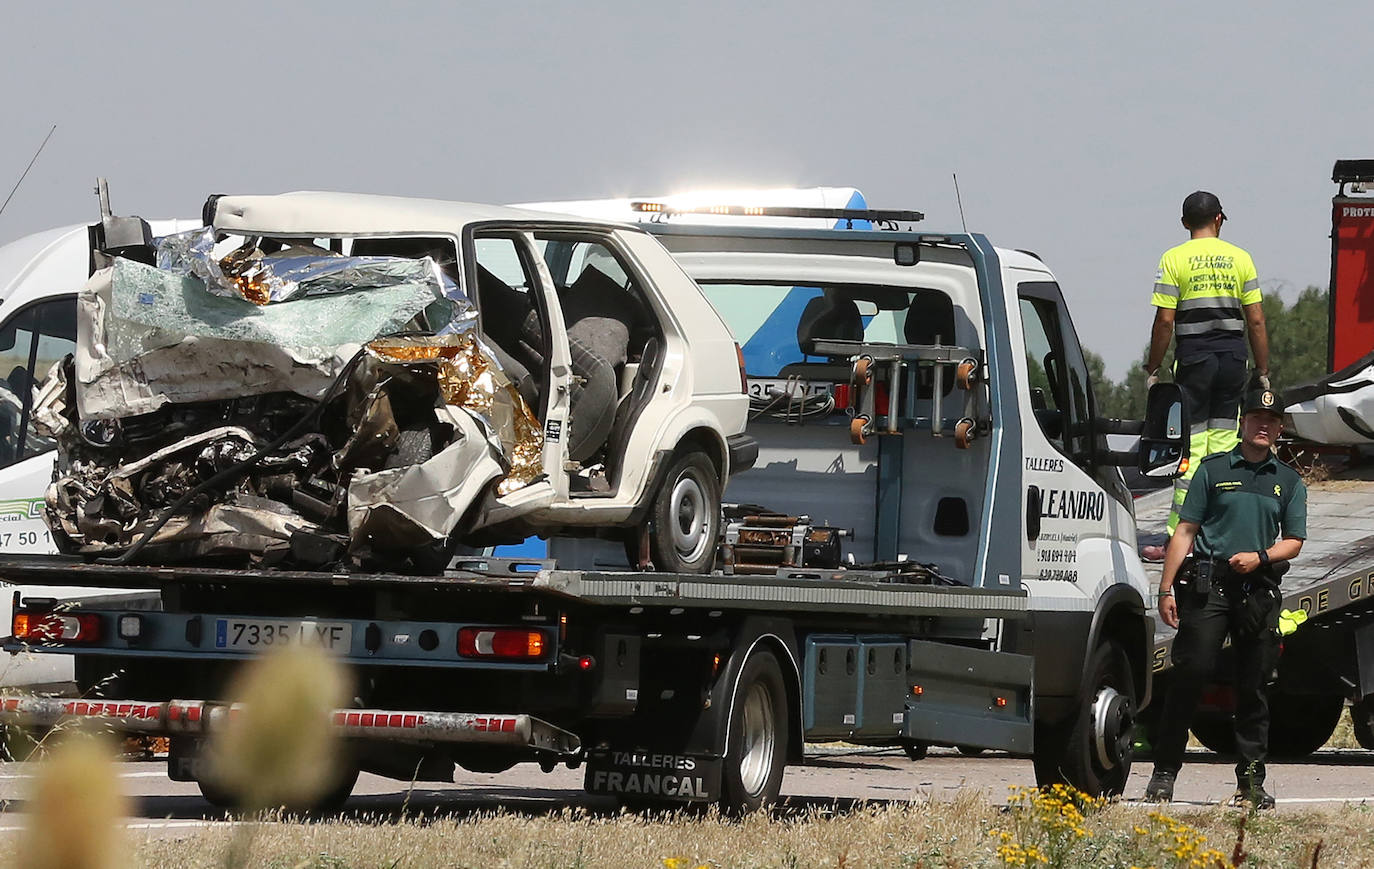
x=1164, y=442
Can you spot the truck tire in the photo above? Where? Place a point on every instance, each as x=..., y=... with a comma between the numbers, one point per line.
x=915, y=749
x=1362, y=722
x=751, y=776
x=1215, y=731
x=1092, y=751
x=331, y=800
x=1299, y=724
x=686, y=516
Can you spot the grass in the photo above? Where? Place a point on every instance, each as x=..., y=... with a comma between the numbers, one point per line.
x=75, y=809
x=965, y=832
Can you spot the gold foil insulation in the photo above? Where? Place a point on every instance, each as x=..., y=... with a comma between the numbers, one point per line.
x=470, y=378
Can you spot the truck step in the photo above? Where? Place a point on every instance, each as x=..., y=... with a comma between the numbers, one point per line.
x=199, y=717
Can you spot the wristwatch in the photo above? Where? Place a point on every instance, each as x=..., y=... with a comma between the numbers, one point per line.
x=1263, y=557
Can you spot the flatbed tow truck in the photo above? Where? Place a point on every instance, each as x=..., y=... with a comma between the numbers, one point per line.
x=921, y=399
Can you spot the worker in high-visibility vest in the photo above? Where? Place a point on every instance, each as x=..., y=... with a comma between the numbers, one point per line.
x=1207, y=295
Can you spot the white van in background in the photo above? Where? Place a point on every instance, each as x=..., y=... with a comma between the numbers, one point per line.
x=40, y=275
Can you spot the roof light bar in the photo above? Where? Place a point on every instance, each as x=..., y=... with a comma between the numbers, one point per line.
x=876, y=215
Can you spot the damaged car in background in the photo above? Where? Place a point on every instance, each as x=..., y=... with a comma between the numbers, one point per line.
x=323, y=380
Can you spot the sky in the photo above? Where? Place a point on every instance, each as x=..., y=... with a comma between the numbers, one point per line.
x=1075, y=129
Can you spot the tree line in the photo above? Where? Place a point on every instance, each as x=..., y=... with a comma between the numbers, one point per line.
x=1297, y=354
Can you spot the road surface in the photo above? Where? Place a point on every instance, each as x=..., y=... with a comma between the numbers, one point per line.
x=842, y=777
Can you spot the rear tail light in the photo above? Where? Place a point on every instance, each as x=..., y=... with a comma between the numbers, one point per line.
x=510, y=644
x=743, y=378
x=880, y=398
x=56, y=627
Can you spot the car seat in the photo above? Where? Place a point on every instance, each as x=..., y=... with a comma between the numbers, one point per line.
x=827, y=317
x=601, y=316
x=930, y=320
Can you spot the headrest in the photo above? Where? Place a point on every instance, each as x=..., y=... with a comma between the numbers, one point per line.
x=830, y=318
x=930, y=315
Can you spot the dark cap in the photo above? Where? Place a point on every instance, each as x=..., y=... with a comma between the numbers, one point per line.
x=1200, y=207
x=1262, y=400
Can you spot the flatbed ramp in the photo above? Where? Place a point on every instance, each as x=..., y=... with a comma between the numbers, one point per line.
x=1333, y=578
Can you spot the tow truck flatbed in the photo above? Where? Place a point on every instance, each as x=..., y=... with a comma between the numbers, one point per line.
x=860, y=591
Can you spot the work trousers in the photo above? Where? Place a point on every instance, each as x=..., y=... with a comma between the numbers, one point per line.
x=1204, y=623
x=1212, y=385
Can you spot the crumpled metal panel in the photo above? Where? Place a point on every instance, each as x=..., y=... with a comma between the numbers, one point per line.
x=470, y=378
x=421, y=503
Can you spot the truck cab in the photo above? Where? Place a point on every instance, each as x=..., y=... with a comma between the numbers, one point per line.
x=928, y=393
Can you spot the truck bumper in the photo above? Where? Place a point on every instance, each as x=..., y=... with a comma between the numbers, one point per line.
x=199, y=718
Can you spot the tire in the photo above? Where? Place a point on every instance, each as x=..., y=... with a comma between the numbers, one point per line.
x=1362, y=721
x=1092, y=751
x=751, y=776
x=1216, y=731
x=969, y=750
x=1299, y=724
x=686, y=516
x=331, y=800
x=915, y=749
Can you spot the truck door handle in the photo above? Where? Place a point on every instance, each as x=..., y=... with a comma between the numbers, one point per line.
x=1032, y=512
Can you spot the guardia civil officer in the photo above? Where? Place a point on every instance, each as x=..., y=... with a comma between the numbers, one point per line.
x=1207, y=295
x=1245, y=517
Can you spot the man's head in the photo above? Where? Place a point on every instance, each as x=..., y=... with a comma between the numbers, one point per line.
x=1261, y=422
x=1202, y=211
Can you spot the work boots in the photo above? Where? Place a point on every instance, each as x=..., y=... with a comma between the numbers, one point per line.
x=1161, y=787
x=1250, y=792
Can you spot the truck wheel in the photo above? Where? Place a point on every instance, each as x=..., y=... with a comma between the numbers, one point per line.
x=1299, y=724
x=1092, y=751
x=1216, y=731
x=686, y=516
x=969, y=750
x=915, y=749
x=1362, y=721
x=333, y=798
x=754, y=760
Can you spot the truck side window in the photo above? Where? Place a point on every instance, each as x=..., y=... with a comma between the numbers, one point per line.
x=30, y=344
x=1061, y=392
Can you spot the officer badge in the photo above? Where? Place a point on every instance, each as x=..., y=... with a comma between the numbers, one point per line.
x=1267, y=398
x=1278, y=490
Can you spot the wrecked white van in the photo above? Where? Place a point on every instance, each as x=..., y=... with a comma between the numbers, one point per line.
x=323, y=380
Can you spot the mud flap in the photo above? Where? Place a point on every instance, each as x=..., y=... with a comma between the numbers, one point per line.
x=653, y=776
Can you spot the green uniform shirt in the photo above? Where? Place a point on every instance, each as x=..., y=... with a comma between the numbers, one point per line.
x=1242, y=506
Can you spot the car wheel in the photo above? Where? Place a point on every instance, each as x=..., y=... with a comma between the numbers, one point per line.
x=686, y=516
x=757, y=750
x=915, y=749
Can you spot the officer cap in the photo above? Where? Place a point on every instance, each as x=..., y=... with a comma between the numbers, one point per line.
x=1260, y=400
x=1200, y=207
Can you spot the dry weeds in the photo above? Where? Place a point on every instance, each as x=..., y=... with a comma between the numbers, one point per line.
x=931, y=834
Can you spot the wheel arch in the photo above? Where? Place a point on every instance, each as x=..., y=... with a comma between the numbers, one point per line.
x=1121, y=616
x=710, y=442
x=771, y=638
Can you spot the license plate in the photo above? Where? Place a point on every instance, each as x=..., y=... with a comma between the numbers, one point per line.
x=766, y=389
x=253, y=634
